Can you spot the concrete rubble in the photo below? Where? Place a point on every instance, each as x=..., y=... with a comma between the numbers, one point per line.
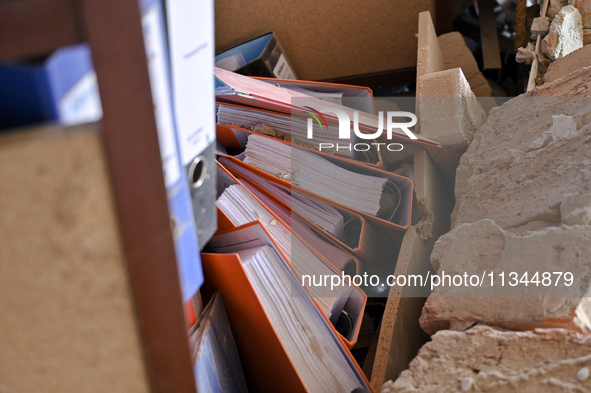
x=483, y=249
x=526, y=55
x=554, y=6
x=584, y=8
x=484, y=359
x=456, y=54
x=540, y=26
x=503, y=176
x=521, y=226
x=449, y=114
x=523, y=204
x=576, y=210
x=565, y=34
x=567, y=64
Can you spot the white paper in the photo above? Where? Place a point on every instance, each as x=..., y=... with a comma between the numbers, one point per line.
x=161, y=96
x=82, y=103
x=282, y=69
x=190, y=24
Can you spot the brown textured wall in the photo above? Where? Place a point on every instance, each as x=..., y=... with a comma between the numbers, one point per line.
x=67, y=320
x=328, y=38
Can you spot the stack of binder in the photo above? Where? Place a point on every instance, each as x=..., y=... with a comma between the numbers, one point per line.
x=289, y=214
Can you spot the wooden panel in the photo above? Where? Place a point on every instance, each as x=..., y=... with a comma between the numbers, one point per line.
x=115, y=35
x=489, y=39
x=400, y=334
x=32, y=28
x=68, y=318
x=331, y=38
x=456, y=54
x=429, y=57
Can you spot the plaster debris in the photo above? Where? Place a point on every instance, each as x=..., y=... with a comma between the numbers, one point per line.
x=540, y=361
x=565, y=34
x=583, y=374
x=576, y=209
x=483, y=249
x=543, y=63
x=567, y=64
x=519, y=184
x=540, y=26
x=466, y=383
x=554, y=6
x=584, y=7
x=542, y=141
x=387, y=387
x=449, y=114
x=563, y=127
x=457, y=55
x=525, y=55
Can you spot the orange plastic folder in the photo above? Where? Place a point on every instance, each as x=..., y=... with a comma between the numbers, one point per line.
x=351, y=303
x=292, y=128
x=402, y=217
x=248, y=91
x=357, y=97
x=364, y=242
x=276, y=355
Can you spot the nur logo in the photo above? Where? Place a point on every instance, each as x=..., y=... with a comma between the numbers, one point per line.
x=345, y=127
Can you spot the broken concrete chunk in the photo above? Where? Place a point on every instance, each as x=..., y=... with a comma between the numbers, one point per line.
x=501, y=178
x=576, y=210
x=563, y=127
x=540, y=26
x=584, y=121
x=554, y=6
x=525, y=55
x=483, y=359
x=449, y=114
x=542, y=141
x=457, y=55
x=567, y=64
x=584, y=7
x=483, y=251
x=565, y=35
x=575, y=84
x=543, y=63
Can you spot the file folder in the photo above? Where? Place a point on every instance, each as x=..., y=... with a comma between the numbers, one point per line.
x=215, y=357
x=266, y=364
x=354, y=306
x=179, y=199
x=261, y=56
x=372, y=246
x=61, y=88
x=247, y=91
x=402, y=217
x=233, y=139
x=355, y=97
x=190, y=37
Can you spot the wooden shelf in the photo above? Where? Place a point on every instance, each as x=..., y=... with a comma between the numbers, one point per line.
x=31, y=28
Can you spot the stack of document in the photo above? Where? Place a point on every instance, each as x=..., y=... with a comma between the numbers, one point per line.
x=310, y=344
x=289, y=128
x=316, y=174
x=337, y=257
x=320, y=213
x=242, y=208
